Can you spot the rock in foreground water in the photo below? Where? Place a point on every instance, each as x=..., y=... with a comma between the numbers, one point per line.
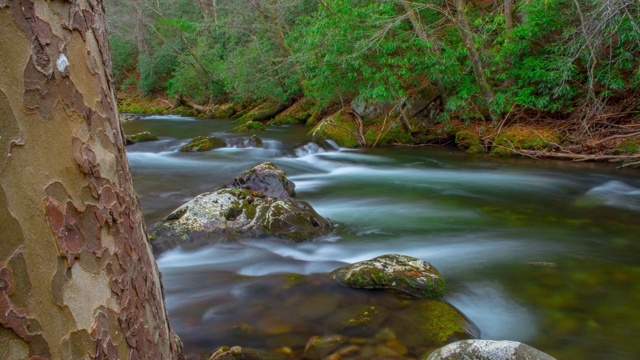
x=488, y=350
x=405, y=273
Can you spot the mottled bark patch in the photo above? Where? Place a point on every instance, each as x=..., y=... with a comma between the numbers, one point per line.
x=16, y=318
x=93, y=215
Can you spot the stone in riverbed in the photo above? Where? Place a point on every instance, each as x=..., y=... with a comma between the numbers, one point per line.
x=140, y=137
x=488, y=350
x=203, y=143
x=266, y=179
x=405, y=273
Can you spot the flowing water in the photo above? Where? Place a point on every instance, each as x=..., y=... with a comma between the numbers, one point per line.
x=545, y=253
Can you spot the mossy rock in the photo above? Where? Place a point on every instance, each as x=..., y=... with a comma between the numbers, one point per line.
x=265, y=111
x=395, y=135
x=297, y=113
x=469, y=141
x=140, y=137
x=203, y=143
x=405, y=273
x=223, y=111
x=250, y=126
x=339, y=127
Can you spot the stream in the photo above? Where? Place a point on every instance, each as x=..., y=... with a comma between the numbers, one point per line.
x=543, y=252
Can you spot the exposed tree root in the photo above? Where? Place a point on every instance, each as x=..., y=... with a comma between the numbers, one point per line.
x=362, y=142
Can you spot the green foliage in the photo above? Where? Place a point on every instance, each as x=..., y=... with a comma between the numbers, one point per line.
x=123, y=57
x=198, y=76
x=553, y=60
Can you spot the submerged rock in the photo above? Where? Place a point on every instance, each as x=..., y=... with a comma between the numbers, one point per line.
x=488, y=350
x=227, y=214
x=320, y=346
x=266, y=179
x=433, y=323
x=401, y=272
x=140, y=137
x=203, y=143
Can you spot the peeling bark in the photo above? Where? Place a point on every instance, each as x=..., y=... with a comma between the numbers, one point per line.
x=77, y=276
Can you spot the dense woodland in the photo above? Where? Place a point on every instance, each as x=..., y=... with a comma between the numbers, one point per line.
x=573, y=65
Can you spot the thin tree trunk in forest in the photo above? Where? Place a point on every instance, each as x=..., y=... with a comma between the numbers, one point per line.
x=203, y=9
x=476, y=63
x=508, y=14
x=422, y=35
x=77, y=276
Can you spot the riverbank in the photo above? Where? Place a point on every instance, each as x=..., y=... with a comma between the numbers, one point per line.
x=374, y=125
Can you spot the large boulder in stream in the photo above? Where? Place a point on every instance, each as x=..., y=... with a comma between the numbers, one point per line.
x=227, y=214
x=488, y=350
x=256, y=204
x=266, y=179
x=405, y=273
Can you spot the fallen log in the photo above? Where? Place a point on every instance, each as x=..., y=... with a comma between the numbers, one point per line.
x=183, y=101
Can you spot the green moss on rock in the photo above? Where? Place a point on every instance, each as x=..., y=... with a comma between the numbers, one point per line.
x=203, y=143
x=339, y=127
x=140, y=137
x=250, y=126
x=264, y=111
x=297, y=113
x=411, y=275
x=469, y=141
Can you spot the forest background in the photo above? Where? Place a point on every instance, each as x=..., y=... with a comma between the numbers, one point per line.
x=542, y=78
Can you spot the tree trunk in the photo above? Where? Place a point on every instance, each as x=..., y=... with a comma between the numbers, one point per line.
x=422, y=35
x=476, y=63
x=77, y=276
x=508, y=14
